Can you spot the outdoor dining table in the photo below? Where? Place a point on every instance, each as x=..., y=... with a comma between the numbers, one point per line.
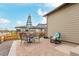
x=29, y=39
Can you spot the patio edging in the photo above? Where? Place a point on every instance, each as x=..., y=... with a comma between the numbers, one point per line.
x=12, y=51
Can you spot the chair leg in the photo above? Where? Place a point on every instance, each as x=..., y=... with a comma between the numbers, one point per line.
x=39, y=40
x=57, y=42
x=21, y=42
x=34, y=40
x=51, y=40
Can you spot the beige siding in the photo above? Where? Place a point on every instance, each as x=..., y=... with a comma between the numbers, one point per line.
x=66, y=21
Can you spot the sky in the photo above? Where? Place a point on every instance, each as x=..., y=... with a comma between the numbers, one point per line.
x=15, y=14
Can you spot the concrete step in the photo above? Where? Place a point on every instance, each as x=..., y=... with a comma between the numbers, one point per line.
x=64, y=49
x=75, y=51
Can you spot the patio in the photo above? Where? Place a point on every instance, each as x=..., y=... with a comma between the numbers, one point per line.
x=42, y=48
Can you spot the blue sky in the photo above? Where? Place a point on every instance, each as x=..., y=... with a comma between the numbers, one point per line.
x=12, y=14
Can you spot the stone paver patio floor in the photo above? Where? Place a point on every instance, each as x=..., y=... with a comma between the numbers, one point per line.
x=44, y=48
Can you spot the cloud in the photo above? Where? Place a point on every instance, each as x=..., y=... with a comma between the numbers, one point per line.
x=44, y=20
x=4, y=21
x=54, y=4
x=49, y=5
x=40, y=12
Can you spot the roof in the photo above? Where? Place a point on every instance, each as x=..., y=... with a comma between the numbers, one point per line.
x=41, y=26
x=33, y=27
x=56, y=9
x=4, y=30
x=20, y=27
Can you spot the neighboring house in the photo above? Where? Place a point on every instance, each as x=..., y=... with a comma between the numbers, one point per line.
x=2, y=32
x=29, y=27
x=41, y=27
x=21, y=28
x=64, y=19
x=38, y=28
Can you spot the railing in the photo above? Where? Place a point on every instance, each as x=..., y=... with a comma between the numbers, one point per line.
x=15, y=36
x=9, y=36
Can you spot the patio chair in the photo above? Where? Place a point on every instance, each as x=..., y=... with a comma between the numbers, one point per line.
x=23, y=37
x=56, y=38
x=30, y=39
x=37, y=39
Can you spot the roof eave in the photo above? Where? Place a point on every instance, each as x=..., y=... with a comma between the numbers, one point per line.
x=55, y=9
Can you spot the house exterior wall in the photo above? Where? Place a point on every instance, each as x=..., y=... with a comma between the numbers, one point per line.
x=66, y=21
